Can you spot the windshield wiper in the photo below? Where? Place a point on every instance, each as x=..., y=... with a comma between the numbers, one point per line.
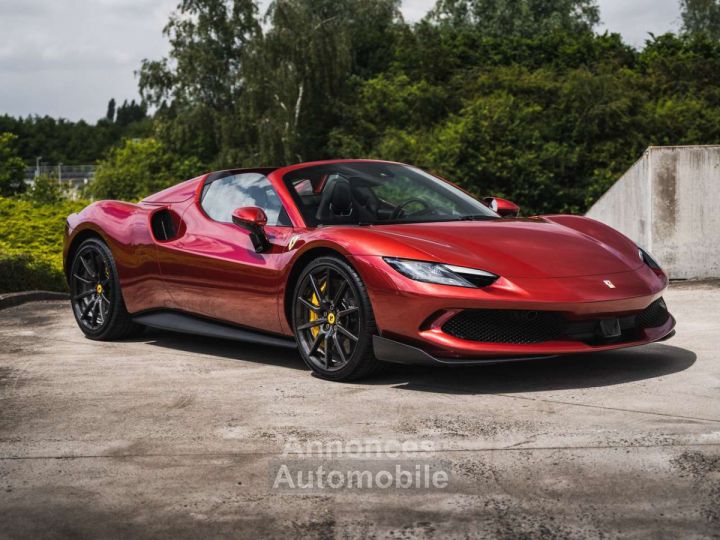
x=476, y=217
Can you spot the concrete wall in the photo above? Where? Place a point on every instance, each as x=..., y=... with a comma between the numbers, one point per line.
x=669, y=203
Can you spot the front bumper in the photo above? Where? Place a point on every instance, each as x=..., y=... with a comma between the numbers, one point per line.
x=412, y=313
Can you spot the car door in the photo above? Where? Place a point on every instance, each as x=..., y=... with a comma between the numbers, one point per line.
x=213, y=270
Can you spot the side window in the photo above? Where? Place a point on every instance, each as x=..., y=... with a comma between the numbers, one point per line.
x=248, y=189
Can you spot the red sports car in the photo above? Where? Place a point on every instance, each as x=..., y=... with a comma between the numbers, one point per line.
x=359, y=262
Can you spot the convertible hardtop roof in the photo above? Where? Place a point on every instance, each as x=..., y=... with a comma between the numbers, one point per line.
x=184, y=190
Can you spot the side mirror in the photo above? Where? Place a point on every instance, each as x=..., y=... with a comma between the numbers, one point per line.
x=502, y=207
x=253, y=220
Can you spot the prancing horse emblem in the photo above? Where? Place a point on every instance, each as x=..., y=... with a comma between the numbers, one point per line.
x=609, y=283
x=293, y=240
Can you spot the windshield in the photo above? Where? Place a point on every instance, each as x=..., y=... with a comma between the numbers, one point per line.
x=368, y=193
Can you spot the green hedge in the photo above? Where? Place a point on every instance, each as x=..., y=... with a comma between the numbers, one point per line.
x=31, y=237
x=25, y=272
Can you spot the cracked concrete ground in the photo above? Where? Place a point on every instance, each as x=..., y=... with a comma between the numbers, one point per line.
x=177, y=436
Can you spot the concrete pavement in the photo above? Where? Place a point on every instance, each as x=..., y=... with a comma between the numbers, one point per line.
x=176, y=436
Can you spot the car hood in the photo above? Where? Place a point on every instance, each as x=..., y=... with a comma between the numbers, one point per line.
x=532, y=247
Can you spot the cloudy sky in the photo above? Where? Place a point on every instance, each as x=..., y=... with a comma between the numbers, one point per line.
x=67, y=58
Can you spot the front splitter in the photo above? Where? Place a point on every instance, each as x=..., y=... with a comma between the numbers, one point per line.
x=388, y=350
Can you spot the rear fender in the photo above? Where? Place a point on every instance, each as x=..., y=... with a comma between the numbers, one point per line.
x=125, y=228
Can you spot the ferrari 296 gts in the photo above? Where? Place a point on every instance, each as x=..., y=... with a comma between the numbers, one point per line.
x=357, y=263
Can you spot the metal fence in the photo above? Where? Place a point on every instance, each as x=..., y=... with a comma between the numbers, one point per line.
x=74, y=176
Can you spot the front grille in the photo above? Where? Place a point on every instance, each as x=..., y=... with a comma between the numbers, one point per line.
x=527, y=327
x=505, y=326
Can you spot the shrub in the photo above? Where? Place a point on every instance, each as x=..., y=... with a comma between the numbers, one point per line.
x=26, y=272
x=46, y=190
x=31, y=238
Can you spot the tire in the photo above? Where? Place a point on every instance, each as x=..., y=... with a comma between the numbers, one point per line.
x=95, y=294
x=334, y=325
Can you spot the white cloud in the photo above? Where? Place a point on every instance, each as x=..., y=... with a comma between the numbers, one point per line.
x=69, y=57
x=635, y=19
x=414, y=10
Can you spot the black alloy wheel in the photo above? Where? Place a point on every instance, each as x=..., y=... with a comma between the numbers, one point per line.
x=95, y=293
x=333, y=321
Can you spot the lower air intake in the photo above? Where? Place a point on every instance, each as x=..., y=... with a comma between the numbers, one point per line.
x=505, y=326
x=656, y=314
x=526, y=327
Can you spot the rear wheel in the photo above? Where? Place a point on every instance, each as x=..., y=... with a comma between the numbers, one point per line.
x=95, y=293
x=333, y=321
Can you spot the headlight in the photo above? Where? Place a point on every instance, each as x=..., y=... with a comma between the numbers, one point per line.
x=442, y=274
x=647, y=259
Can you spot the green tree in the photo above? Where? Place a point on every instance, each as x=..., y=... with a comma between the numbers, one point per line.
x=12, y=167
x=701, y=17
x=72, y=143
x=509, y=97
x=207, y=39
x=524, y=18
x=299, y=69
x=230, y=93
x=110, y=114
x=129, y=113
x=198, y=85
x=550, y=121
x=304, y=67
x=138, y=168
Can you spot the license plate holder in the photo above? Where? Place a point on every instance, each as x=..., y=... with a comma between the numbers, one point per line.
x=610, y=328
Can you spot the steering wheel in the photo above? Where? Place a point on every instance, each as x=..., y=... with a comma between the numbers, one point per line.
x=399, y=209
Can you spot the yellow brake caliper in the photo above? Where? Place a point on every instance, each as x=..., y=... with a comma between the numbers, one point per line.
x=315, y=301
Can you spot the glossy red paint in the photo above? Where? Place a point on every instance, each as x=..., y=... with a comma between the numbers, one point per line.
x=250, y=215
x=549, y=263
x=503, y=207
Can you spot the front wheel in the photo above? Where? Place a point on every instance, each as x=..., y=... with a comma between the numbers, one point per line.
x=95, y=293
x=333, y=321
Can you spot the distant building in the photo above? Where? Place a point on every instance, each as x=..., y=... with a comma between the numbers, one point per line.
x=74, y=177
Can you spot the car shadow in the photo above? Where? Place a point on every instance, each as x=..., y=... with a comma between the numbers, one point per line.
x=562, y=373
x=578, y=371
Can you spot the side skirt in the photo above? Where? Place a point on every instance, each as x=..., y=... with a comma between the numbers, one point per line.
x=188, y=324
